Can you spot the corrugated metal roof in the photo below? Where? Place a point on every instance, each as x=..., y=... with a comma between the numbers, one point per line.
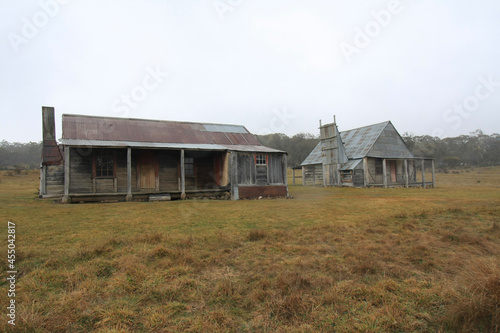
x=351, y=164
x=225, y=128
x=315, y=157
x=357, y=143
x=78, y=127
x=135, y=144
x=256, y=149
x=163, y=145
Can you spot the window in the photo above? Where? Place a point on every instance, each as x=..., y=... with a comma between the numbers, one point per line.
x=104, y=164
x=378, y=167
x=189, y=166
x=261, y=159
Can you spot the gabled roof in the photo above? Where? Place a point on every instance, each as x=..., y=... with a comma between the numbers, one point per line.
x=359, y=143
x=79, y=130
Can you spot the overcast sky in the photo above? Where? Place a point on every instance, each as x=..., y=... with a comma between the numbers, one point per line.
x=431, y=67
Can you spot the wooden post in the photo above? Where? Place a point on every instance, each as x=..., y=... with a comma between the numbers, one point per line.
x=157, y=172
x=129, y=174
x=433, y=175
x=365, y=172
x=67, y=156
x=233, y=169
x=43, y=182
x=293, y=177
x=183, y=177
x=423, y=173
x=406, y=173
x=285, y=176
x=303, y=176
x=384, y=171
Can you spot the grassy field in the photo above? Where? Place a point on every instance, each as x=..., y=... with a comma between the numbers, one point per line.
x=328, y=260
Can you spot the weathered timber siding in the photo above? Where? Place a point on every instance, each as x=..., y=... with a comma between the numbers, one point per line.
x=373, y=177
x=246, y=169
x=168, y=165
x=251, y=192
x=389, y=145
x=313, y=175
x=104, y=185
x=276, y=169
x=80, y=171
x=358, y=176
x=251, y=174
x=261, y=175
x=54, y=179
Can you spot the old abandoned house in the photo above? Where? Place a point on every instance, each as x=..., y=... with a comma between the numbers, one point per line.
x=374, y=155
x=117, y=159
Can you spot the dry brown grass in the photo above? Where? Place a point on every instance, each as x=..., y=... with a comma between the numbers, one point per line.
x=332, y=259
x=476, y=305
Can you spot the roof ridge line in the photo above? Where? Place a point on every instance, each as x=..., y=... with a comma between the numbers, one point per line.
x=152, y=120
x=353, y=129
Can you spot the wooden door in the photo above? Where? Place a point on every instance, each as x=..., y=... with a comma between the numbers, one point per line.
x=147, y=170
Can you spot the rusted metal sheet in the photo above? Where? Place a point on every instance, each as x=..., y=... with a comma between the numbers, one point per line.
x=135, y=144
x=77, y=127
x=161, y=145
x=51, y=154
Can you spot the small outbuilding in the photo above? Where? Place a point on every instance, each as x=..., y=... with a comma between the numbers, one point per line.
x=373, y=155
x=118, y=159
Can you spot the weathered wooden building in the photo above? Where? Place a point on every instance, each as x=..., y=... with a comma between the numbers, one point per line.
x=374, y=155
x=109, y=159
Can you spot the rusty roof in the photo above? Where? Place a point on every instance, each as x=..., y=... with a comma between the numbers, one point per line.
x=163, y=145
x=92, y=128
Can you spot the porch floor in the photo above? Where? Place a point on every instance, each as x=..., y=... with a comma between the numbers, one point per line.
x=222, y=193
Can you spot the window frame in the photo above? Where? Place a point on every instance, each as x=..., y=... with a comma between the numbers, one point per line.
x=189, y=172
x=261, y=159
x=110, y=171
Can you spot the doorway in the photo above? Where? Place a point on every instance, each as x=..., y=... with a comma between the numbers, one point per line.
x=147, y=168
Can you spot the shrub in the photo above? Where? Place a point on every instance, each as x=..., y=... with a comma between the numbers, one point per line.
x=256, y=235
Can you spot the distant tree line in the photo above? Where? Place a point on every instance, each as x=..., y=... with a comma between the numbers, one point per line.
x=15, y=155
x=475, y=149
x=298, y=146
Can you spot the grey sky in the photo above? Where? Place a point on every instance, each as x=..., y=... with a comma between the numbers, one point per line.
x=431, y=67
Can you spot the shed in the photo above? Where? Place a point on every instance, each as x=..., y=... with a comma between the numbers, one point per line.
x=373, y=155
x=118, y=159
